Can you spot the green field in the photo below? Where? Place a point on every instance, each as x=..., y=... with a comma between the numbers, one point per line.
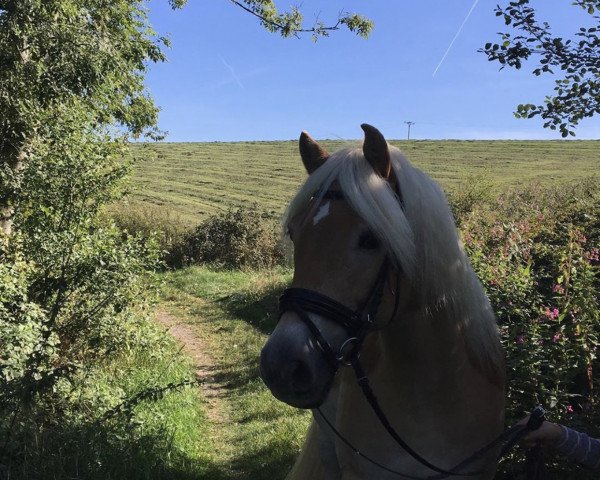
x=198, y=179
x=230, y=313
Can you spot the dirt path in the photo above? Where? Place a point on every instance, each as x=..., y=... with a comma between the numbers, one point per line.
x=205, y=368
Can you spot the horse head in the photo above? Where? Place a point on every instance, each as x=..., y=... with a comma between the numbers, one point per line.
x=342, y=265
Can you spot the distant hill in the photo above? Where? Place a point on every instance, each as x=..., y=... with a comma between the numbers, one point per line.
x=198, y=179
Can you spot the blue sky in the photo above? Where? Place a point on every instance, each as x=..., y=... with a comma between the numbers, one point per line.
x=228, y=79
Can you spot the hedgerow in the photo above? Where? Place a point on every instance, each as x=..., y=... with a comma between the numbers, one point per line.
x=536, y=251
x=73, y=306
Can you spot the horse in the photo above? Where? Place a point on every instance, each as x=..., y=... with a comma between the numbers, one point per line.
x=380, y=274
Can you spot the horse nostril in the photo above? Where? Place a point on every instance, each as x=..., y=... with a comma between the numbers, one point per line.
x=301, y=378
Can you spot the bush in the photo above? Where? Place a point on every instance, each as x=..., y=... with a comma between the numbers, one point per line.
x=71, y=294
x=242, y=237
x=158, y=223
x=89, y=428
x=475, y=192
x=536, y=252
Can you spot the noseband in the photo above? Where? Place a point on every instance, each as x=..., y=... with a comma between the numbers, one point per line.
x=357, y=323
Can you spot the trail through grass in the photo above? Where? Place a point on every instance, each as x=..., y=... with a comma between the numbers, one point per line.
x=230, y=314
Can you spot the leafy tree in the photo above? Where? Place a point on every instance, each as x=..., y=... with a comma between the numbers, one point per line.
x=576, y=63
x=71, y=88
x=53, y=53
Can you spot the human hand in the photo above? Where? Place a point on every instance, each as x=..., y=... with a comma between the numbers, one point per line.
x=547, y=435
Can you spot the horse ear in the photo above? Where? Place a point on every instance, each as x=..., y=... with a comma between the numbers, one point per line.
x=376, y=151
x=313, y=155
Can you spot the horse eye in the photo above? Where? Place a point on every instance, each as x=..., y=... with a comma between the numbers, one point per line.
x=368, y=241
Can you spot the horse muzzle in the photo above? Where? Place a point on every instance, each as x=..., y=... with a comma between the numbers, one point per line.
x=294, y=369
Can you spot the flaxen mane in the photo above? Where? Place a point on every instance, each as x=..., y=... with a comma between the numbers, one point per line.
x=420, y=238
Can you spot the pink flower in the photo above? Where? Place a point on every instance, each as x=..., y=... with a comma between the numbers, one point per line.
x=558, y=289
x=594, y=255
x=569, y=409
x=581, y=239
x=552, y=314
x=556, y=337
x=520, y=339
x=468, y=239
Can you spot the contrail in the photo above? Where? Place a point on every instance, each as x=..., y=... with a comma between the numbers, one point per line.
x=233, y=74
x=455, y=37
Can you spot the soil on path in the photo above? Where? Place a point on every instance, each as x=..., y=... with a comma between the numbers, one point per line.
x=213, y=391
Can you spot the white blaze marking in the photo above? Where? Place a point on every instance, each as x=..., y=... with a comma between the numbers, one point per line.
x=321, y=214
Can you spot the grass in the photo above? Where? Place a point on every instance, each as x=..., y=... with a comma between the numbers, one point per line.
x=162, y=438
x=196, y=180
x=231, y=312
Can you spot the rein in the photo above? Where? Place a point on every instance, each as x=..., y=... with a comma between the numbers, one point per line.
x=359, y=323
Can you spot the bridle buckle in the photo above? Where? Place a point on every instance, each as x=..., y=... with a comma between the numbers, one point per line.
x=349, y=350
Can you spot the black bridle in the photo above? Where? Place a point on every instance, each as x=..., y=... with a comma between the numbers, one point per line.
x=358, y=324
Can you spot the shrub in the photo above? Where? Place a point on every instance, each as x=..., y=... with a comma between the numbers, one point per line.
x=157, y=223
x=536, y=252
x=70, y=289
x=242, y=237
x=475, y=192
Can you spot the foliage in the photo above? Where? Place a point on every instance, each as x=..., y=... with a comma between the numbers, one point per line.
x=70, y=282
x=55, y=56
x=94, y=51
x=71, y=89
x=156, y=438
x=474, y=192
x=577, y=90
x=156, y=223
x=537, y=253
x=290, y=23
x=242, y=237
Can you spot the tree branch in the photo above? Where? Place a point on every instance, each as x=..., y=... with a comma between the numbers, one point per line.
x=291, y=22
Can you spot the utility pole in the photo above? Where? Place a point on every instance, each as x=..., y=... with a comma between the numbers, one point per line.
x=409, y=125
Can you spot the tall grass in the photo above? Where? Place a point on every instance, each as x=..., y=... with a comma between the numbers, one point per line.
x=158, y=223
x=162, y=437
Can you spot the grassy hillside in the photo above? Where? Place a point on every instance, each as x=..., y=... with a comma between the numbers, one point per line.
x=198, y=179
